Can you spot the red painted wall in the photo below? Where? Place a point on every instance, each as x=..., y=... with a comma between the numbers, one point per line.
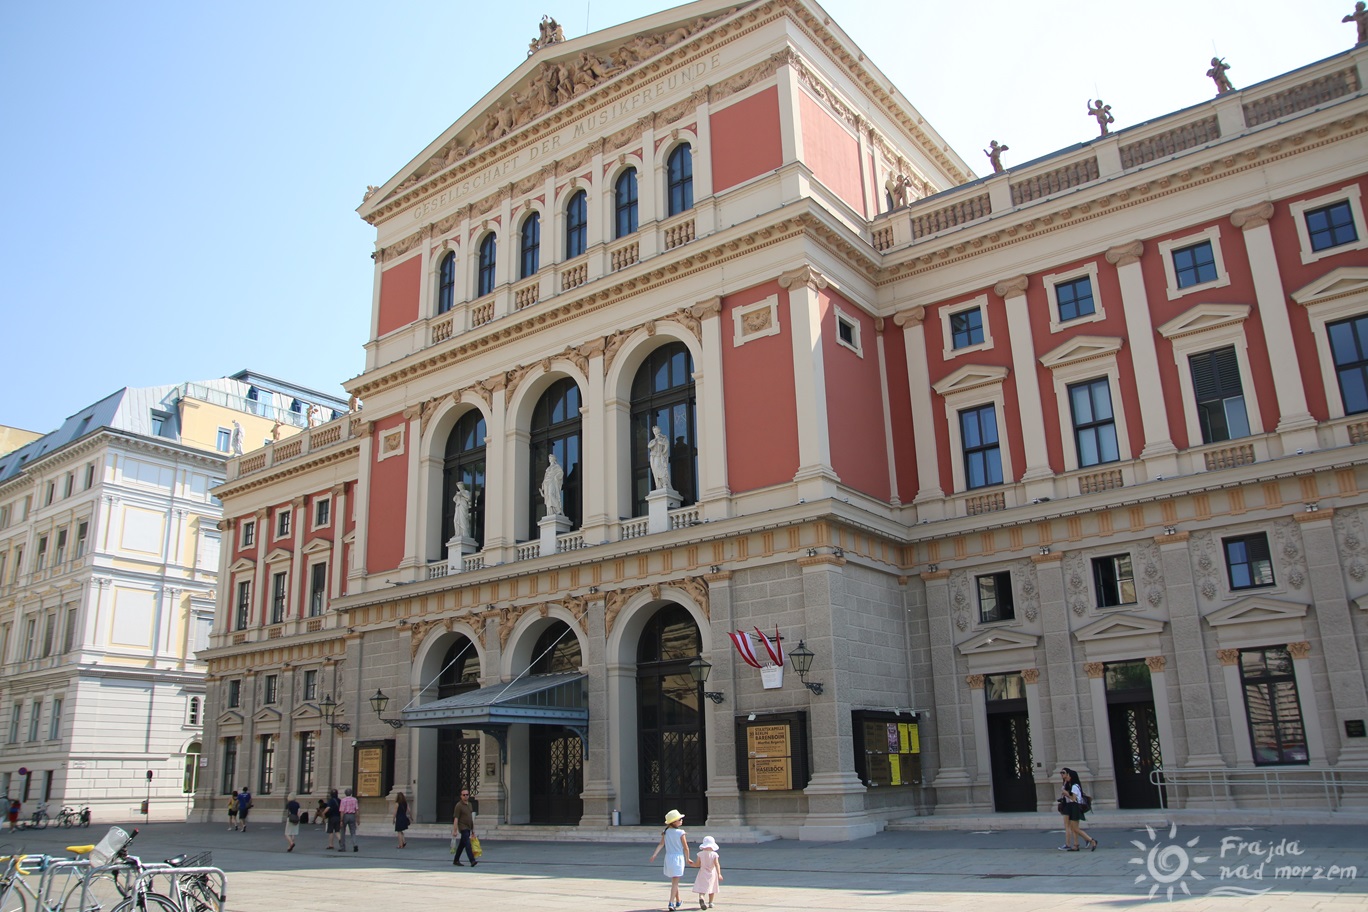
x=900, y=409
x=855, y=421
x=761, y=406
x=831, y=152
x=399, y=287
x=746, y=140
x=388, y=500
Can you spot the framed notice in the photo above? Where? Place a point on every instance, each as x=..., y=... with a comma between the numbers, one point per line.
x=887, y=748
x=772, y=752
x=374, y=766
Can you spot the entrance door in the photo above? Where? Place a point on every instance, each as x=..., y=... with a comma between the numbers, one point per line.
x=555, y=775
x=1009, y=748
x=458, y=767
x=1135, y=753
x=671, y=762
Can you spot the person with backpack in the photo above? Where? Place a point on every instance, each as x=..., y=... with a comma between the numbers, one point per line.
x=1073, y=804
x=244, y=805
x=334, y=818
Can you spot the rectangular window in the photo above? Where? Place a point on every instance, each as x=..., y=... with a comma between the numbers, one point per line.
x=966, y=328
x=51, y=494
x=282, y=523
x=1194, y=265
x=34, y=719
x=15, y=712
x=311, y=684
x=1349, y=348
x=277, y=597
x=68, y=485
x=1220, y=395
x=55, y=723
x=1331, y=226
x=226, y=785
x=235, y=693
x=30, y=636
x=322, y=512
x=1075, y=299
x=847, y=331
x=318, y=588
x=995, y=598
x=42, y=553
x=49, y=633
x=4, y=558
x=306, y=763
x=18, y=564
x=1248, y=561
x=267, y=765
x=244, y=605
x=61, y=547
x=224, y=442
x=82, y=531
x=1115, y=579
x=69, y=631
x=982, y=454
x=89, y=476
x=1094, y=423
x=192, y=711
x=1273, y=707
x=248, y=534
x=271, y=688
x=4, y=643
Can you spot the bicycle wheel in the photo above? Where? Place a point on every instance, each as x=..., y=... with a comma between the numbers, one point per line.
x=147, y=902
x=67, y=821
x=102, y=894
x=12, y=899
x=197, y=895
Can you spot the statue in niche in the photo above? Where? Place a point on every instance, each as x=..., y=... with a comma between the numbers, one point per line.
x=658, y=453
x=994, y=153
x=1218, y=76
x=235, y=440
x=1103, y=114
x=1360, y=18
x=898, y=188
x=460, y=519
x=551, y=487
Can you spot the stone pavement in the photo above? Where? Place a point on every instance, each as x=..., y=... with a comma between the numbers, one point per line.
x=1300, y=867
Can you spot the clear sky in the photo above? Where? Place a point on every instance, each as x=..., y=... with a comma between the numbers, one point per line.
x=182, y=176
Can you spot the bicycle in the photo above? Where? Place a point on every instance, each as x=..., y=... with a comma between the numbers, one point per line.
x=68, y=817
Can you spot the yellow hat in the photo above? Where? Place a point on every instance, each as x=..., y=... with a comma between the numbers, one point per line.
x=672, y=817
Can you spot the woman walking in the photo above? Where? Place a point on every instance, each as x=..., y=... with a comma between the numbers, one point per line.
x=291, y=822
x=1071, y=793
x=401, y=818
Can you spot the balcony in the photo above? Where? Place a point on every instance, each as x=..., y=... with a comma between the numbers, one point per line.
x=310, y=440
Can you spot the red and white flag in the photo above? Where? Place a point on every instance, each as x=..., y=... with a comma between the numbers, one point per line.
x=741, y=640
x=776, y=652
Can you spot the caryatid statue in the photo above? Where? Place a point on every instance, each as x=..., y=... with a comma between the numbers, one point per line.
x=1218, y=75
x=551, y=485
x=658, y=452
x=460, y=512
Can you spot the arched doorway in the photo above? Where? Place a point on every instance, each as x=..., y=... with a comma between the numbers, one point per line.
x=458, y=752
x=671, y=758
x=555, y=754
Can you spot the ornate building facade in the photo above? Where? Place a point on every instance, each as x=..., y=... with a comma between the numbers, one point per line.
x=1054, y=467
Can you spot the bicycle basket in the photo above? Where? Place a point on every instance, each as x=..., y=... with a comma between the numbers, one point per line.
x=109, y=847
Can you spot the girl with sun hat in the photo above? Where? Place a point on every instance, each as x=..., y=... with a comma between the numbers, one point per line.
x=676, y=845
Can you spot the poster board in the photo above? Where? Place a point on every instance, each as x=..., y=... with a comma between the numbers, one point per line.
x=772, y=752
x=373, y=763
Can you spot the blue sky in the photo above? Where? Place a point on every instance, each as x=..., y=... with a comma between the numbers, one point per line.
x=182, y=177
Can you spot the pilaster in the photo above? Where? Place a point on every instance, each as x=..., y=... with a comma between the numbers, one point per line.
x=1159, y=453
x=714, y=493
x=815, y=476
x=930, y=497
x=1037, y=477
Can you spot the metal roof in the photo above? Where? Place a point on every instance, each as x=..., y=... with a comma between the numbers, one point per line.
x=547, y=699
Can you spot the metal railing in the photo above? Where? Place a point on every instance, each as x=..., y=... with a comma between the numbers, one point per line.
x=1269, y=786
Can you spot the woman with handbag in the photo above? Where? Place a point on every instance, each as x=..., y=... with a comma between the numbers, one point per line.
x=291, y=822
x=1073, y=806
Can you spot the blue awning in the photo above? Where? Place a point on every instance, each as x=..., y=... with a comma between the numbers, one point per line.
x=548, y=699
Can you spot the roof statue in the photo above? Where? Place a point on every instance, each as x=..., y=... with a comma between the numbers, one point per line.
x=898, y=189
x=994, y=153
x=1103, y=114
x=1218, y=75
x=1360, y=18
x=550, y=32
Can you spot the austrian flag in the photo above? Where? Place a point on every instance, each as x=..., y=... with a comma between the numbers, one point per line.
x=742, y=641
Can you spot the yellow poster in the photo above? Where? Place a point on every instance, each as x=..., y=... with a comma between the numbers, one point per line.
x=370, y=763
x=904, y=739
x=771, y=773
x=894, y=769
x=913, y=739
x=767, y=741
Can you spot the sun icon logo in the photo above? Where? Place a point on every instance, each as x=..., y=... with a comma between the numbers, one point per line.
x=1167, y=864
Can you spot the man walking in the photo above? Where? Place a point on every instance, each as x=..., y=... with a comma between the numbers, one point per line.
x=244, y=805
x=350, y=808
x=464, y=825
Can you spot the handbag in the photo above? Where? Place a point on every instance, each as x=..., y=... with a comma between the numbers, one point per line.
x=1062, y=805
x=475, y=846
x=294, y=818
x=454, y=843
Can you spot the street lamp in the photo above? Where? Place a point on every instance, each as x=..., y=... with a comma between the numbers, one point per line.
x=801, y=659
x=328, y=707
x=378, y=703
x=700, y=671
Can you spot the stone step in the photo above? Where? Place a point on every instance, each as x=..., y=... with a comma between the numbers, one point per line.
x=1156, y=817
x=742, y=835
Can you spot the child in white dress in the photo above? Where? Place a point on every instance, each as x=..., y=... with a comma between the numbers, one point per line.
x=709, y=878
x=676, y=846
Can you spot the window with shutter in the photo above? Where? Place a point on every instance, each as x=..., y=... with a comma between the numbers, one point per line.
x=1220, y=395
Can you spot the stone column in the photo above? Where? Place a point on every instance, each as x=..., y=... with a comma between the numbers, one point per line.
x=702, y=167
x=815, y=477
x=983, y=749
x=598, y=794
x=597, y=512
x=1159, y=453
x=1163, y=714
x=835, y=794
x=1097, y=698
x=1190, y=654
x=302, y=520
x=1035, y=721
x=1296, y=425
x=1310, y=703
x=930, y=498
x=1061, y=657
x=1038, y=477
x=1239, y=717
x=335, y=569
x=724, y=798
x=356, y=573
x=499, y=477
x=714, y=493
x=951, y=727
x=415, y=539
x=1338, y=641
x=889, y=452
x=256, y=613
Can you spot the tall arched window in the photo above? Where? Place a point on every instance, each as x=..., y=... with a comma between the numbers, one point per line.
x=531, y=246
x=577, y=225
x=460, y=669
x=557, y=649
x=625, y=203
x=679, y=179
x=663, y=395
x=488, y=256
x=555, y=432
x=465, y=462
x=446, y=282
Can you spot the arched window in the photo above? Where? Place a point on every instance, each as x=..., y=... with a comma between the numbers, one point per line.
x=488, y=252
x=446, y=283
x=625, y=203
x=465, y=463
x=557, y=649
x=577, y=225
x=663, y=395
x=679, y=181
x=531, y=246
x=555, y=432
x=191, y=778
x=460, y=669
